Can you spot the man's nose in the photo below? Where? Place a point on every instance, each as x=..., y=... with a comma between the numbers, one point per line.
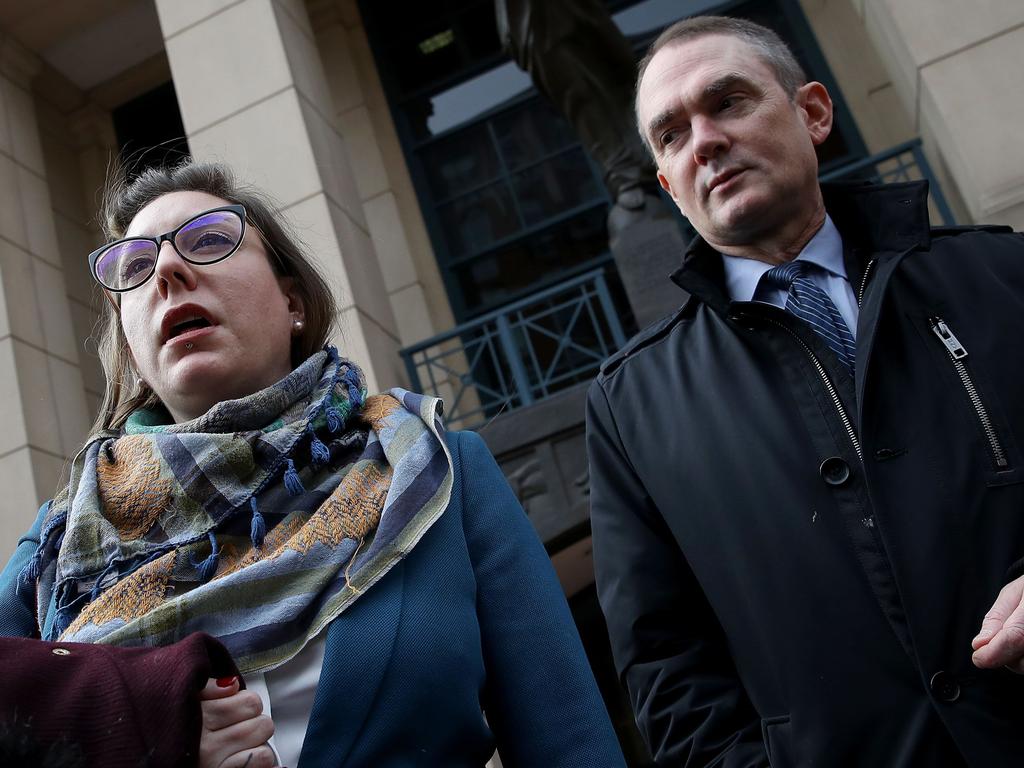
x=709, y=140
x=172, y=269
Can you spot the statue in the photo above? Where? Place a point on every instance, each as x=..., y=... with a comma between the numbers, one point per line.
x=584, y=65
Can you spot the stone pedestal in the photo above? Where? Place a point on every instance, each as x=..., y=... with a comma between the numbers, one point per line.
x=648, y=245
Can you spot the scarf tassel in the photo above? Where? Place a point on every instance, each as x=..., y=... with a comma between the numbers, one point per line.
x=208, y=567
x=61, y=622
x=258, y=529
x=34, y=568
x=97, y=588
x=334, y=420
x=291, y=480
x=318, y=450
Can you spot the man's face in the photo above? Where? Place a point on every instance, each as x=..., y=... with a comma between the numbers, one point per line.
x=733, y=150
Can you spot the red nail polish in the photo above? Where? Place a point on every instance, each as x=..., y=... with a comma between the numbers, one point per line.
x=225, y=682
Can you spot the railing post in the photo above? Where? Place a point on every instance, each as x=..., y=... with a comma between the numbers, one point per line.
x=515, y=363
x=414, y=376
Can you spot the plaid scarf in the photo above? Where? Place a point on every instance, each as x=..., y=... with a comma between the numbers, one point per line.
x=258, y=522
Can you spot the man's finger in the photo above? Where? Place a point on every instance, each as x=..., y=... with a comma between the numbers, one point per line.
x=1006, y=603
x=1006, y=647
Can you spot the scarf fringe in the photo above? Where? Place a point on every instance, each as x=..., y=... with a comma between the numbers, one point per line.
x=208, y=567
x=292, y=483
x=258, y=528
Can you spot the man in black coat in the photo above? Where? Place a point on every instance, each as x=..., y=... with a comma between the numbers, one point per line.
x=808, y=483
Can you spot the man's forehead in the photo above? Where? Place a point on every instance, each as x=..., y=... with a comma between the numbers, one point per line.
x=683, y=69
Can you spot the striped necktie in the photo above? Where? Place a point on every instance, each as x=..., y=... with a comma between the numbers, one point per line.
x=812, y=305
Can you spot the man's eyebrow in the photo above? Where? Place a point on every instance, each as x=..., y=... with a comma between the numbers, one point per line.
x=660, y=120
x=723, y=84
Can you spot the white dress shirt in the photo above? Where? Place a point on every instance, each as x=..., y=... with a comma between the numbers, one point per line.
x=825, y=249
x=287, y=694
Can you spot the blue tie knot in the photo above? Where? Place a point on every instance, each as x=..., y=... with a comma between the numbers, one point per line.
x=782, y=276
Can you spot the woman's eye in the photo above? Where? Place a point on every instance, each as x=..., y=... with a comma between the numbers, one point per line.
x=135, y=266
x=211, y=240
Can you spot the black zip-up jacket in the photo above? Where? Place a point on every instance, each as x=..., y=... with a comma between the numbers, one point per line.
x=793, y=562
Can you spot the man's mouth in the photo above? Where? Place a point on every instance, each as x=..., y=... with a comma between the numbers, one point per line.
x=724, y=177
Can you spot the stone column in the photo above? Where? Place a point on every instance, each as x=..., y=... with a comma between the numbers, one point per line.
x=956, y=67
x=408, y=265
x=43, y=411
x=253, y=93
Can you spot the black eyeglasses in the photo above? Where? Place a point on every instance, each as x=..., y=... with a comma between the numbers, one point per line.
x=206, y=238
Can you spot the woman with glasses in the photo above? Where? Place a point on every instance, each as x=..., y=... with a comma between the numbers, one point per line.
x=372, y=575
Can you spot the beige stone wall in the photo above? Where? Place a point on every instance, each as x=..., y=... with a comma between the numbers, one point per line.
x=956, y=68
x=863, y=79
x=43, y=410
x=411, y=276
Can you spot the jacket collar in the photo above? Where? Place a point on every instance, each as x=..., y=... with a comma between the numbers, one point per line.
x=871, y=218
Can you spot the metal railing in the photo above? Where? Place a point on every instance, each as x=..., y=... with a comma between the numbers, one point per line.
x=904, y=162
x=520, y=353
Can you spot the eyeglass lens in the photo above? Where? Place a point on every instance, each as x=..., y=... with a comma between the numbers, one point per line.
x=207, y=238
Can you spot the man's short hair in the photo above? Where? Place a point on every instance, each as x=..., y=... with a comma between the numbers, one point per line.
x=773, y=51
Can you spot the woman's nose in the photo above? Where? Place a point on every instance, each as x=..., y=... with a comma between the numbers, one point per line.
x=171, y=269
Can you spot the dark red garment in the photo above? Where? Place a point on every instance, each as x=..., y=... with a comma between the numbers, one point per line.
x=75, y=704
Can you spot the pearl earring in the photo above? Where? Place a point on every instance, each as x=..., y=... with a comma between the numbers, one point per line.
x=298, y=325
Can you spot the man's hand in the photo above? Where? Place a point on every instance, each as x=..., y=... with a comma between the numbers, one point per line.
x=1000, y=643
x=235, y=730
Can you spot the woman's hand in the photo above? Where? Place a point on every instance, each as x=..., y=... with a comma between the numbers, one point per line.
x=235, y=730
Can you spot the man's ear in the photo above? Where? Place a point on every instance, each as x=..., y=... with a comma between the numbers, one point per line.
x=816, y=109
x=663, y=180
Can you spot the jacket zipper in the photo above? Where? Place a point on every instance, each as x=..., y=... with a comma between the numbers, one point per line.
x=829, y=387
x=957, y=353
x=864, y=281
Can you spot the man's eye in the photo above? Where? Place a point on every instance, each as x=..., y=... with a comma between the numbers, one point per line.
x=671, y=137
x=727, y=103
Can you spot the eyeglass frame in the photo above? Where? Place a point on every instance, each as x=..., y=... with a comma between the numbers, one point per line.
x=159, y=241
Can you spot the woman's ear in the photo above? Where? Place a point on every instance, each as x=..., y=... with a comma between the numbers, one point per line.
x=296, y=306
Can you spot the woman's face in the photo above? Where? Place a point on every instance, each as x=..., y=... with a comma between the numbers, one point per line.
x=200, y=334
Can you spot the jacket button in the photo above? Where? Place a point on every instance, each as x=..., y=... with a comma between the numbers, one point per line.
x=834, y=470
x=945, y=687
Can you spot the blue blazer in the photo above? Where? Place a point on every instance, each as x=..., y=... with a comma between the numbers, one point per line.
x=465, y=646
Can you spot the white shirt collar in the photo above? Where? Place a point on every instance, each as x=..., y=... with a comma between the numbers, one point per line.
x=825, y=249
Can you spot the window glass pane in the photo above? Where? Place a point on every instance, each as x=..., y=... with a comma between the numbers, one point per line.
x=531, y=131
x=555, y=186
x=649, y=16
x=509, y=272
x=477, y=220
x=461, y=161
x=432, y=115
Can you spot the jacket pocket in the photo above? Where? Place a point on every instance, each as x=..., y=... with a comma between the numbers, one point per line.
x=778, y=741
